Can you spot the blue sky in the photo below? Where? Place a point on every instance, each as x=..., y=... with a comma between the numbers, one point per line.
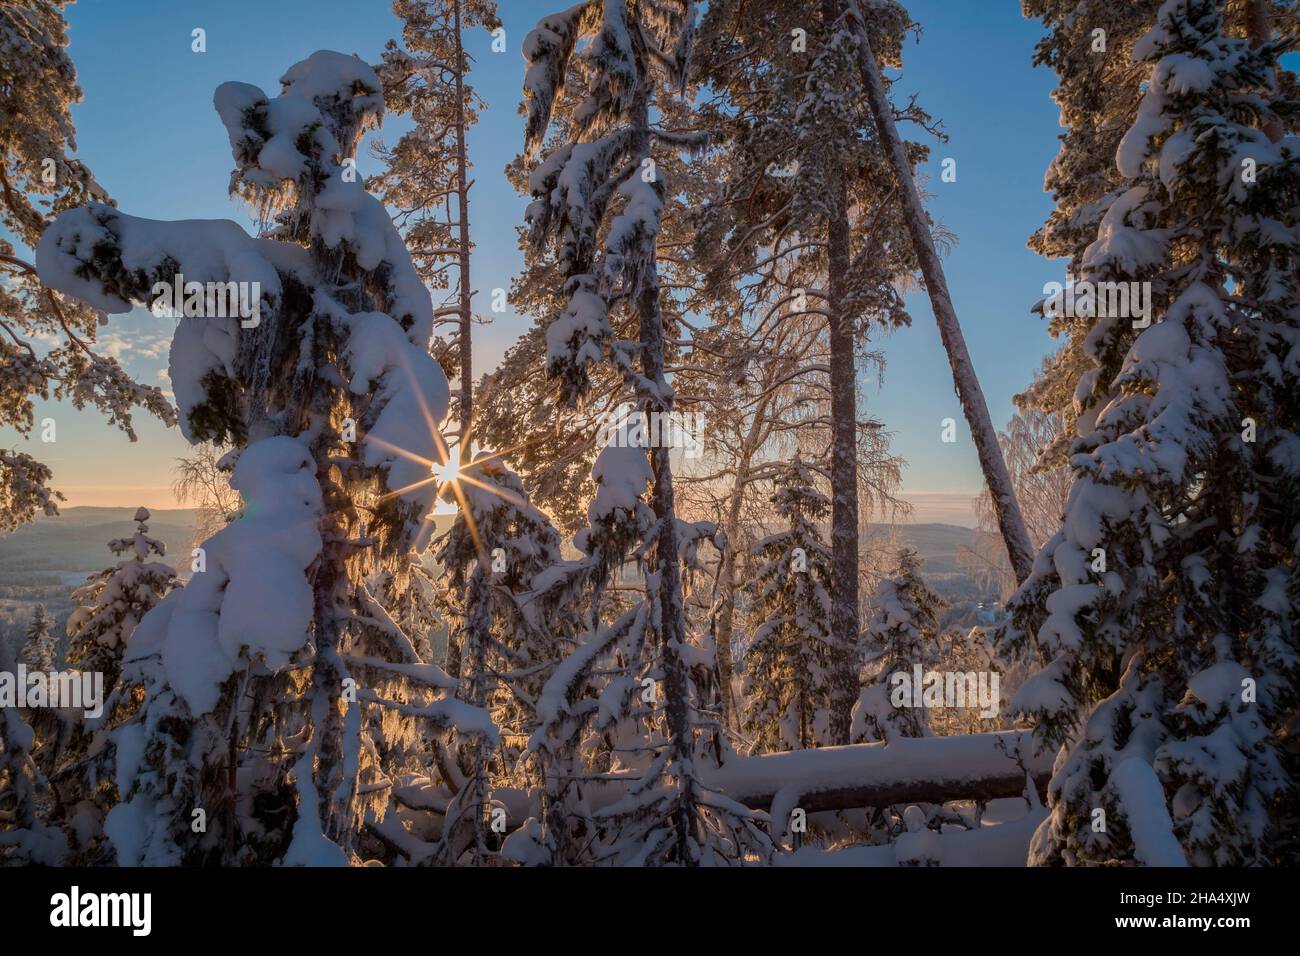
x=148, y=130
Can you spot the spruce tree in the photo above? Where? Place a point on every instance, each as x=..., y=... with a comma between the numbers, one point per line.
x=902, y=633
x=789, y=657
x=1164, y=614
x=25, y=837
x=40, y=646
x=112, y=601
x=492, y=557
x=1089, y=46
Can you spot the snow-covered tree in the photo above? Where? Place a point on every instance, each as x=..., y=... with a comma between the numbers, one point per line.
x=598, y=196
x=491, y=559
x=24, y=836
x=274, y=680
x=603, y=713
x=38, y=178
x=1089, y=46
x=1163, y=615
x=787, y=582
x=40, y=646
x=902, y=633
x=112, y=602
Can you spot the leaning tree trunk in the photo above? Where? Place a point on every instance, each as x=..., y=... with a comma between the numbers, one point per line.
x=1006, y=507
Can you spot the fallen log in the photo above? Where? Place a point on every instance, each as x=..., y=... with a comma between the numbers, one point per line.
x=909, y=770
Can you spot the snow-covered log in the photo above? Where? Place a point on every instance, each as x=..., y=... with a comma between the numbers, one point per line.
x=908, y=770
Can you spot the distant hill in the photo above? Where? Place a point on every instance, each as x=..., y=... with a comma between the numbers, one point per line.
x=43, y=561
x=76, y=540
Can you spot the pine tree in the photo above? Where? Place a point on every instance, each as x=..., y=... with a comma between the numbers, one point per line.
x=806, y=214
x=789, y=657
x=425, y=77
x=1164, y=613
x=39, y=646
x=38, y=178
x=112, y=601
x=902, y=634
x=274, y=680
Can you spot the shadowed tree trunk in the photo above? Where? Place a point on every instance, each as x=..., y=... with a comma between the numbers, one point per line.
x=844, y=475
x=1260, y=33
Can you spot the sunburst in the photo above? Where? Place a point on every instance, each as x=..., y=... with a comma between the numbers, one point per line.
x=453, y=470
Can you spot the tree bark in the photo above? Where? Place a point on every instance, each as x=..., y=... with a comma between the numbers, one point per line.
x=727, y=610
x=844, y=456
x=1260, y=33
x=844, y=480
x=462, y=202
x=1010, y=521
x=663, y=572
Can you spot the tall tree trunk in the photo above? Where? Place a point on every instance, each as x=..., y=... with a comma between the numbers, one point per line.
x=478, y=630
x=844, y=473
x=333, y=589
x=1020, y=551
x=664, y=571
x=726, y=612
x=462, y=202
x=1260, y=33
x=726, y=602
